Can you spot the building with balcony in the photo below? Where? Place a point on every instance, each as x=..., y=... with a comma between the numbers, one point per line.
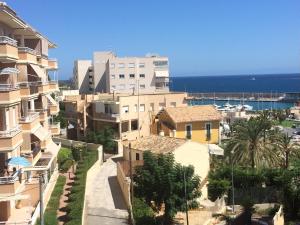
x=110, y=73
x=130, y=116
x=26, y=111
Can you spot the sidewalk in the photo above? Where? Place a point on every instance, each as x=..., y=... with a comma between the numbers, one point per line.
x=104, y=199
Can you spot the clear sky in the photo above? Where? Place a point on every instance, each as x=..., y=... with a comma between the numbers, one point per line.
x=211, y=37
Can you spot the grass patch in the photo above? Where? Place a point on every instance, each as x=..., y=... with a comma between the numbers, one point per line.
x=50, y=216
x=285, y=123
x=76, y=198
x=64, y=159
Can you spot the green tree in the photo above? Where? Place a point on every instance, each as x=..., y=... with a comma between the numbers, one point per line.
x=161, y=181
x=249, y=144
x=286, y=147
x=105, y=137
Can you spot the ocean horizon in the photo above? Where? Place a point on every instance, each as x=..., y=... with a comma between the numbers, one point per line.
x=264, y=83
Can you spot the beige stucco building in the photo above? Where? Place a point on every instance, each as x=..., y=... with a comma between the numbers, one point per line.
x=186, y=152
x=26, y=110
x=131, y=116
x=109, y=73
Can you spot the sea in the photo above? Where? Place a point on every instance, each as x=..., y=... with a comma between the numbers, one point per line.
x=270, y=83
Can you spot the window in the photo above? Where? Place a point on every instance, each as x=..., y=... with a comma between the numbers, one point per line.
x=142, y=75
x=208, y=131
x=113, y=87
x=137, y=156
x=188, y=131
x=151, y=106
x=90, y=70
x=142, y=65
x=132, y=75
x=107, y=109
x=121, y=65
x=135, y=108
x=142, y=86
x=113, y=76
x=160, y=63
x=121, y=76
x=125, y=126
x=161, y=105
x=134, y=124
x=132, y=86
x=90, y=82
x=142, y=107
x=173, y=104
x=125, y=109
x=112, y=65
x=131, y=65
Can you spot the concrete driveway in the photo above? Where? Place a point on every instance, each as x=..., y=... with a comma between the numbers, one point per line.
x=104, y=199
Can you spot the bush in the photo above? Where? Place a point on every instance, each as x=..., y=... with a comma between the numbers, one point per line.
x=78, y=151
x=64, y=159
x=142, y=213
x=217, y=188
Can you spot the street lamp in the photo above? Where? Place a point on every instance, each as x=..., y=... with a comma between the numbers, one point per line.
x=232, y=184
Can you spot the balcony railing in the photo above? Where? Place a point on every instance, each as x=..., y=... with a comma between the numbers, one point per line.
x=30, y=117
x=10, y=179
x=10, y=133
x=27, y=50
x=8, y=87
x=8, y=40
x=9, y=70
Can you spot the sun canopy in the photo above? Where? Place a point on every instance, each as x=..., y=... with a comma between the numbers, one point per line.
x=18, y=161
x=162, y=73
x=215, y=149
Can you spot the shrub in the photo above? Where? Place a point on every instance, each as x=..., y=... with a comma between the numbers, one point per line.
x=78, y=152
x=64, y=159
x=217, y=188
x=142, y=213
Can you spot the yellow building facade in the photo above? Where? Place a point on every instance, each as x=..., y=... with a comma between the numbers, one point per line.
x=198, y=123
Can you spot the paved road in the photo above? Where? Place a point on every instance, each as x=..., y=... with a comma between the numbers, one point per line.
x=105, y=203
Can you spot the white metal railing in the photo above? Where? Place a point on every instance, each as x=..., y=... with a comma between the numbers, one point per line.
x=8, y=40
x=30, y=117
x=21, y=222
x=11, y=132
x=55, y=124
x=10, y=179
x=8, y=87
x=27, y=50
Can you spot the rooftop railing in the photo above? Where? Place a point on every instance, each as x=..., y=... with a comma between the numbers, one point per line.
x=8, y=40
x=27, y=50
x=11, y=132
x=10, y=179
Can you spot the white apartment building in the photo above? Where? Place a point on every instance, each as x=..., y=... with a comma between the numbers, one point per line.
x=112, y=74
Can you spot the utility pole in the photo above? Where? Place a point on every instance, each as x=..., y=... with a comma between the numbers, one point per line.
x=186, y=204
x=131, y=174
x=232, y=152
x=41, y=179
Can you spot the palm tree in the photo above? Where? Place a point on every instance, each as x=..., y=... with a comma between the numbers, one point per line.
x=250, y=143
x=286, y=147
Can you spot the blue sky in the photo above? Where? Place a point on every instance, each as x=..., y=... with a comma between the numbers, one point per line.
x=211, y=37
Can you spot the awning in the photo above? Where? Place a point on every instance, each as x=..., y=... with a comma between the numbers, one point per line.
x=215, y=149
x=162, y=73
x=40, y=73
x=16, y=197
x=41, y=133
x=53, y=102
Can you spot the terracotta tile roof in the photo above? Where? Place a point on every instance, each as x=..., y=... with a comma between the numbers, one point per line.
x=156, y=144
x=193, y=113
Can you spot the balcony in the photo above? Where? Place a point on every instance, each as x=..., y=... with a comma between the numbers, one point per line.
x=27, y=89
x=10, y=139
x=55, y=128
x=53, y=86
x=8, y=49
x=54, y=109
x=111, y=117
x=9, y=94
x=52, y=64
x=9, y=183
x=42, y=60
x=43, y=114
x=30, y=122
x=43, y=87
x=27, y=55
